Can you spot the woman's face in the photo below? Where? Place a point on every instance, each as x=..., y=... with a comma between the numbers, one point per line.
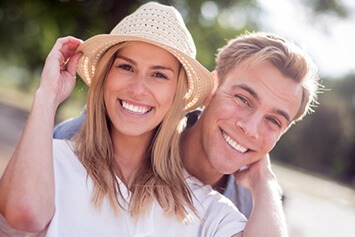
x=140, y=88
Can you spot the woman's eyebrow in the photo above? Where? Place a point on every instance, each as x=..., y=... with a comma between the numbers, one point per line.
x=163, y=67
x=126, y=59
x=160, y=67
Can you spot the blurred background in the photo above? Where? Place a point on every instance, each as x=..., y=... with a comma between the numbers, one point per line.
x=314, y=161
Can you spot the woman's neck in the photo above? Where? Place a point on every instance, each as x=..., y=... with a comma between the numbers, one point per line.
x=130, y=152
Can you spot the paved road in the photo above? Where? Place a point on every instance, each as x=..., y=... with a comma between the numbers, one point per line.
x=314, y=207
x=12, y=122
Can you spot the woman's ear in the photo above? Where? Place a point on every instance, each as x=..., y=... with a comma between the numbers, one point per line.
x=215, y=86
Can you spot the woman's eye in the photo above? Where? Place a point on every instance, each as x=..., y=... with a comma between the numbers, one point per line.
x=126, y=67
x=160, y=75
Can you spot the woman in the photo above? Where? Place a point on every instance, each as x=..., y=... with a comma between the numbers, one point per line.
x=122, y=174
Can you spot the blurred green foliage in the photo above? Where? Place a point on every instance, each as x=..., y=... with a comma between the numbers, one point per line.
x=324, y=142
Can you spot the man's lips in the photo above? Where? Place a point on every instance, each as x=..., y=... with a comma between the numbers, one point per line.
x=234, y=144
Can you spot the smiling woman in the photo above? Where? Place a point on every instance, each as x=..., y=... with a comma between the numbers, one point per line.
x=140, y=88
x=122, y=173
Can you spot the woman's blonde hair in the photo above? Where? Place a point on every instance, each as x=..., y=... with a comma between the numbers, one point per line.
x=160, y=177
x=287, y=57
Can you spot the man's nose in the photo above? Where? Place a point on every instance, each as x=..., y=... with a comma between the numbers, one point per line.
x=249, y=125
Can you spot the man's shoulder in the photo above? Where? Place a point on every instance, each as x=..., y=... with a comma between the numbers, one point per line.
x=192, y=117
x=239, y=195
x=68, y=128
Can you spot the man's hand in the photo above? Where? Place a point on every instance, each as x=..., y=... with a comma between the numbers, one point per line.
x=260, y=171
x=267, y=218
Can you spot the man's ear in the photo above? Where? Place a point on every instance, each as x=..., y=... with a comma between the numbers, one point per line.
x=215, y=86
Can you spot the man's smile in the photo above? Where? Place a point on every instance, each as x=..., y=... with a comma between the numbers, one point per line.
x=233, y=143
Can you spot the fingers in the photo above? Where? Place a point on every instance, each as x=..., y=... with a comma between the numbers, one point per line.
x=72, y=63
x=68, y=46
x=71, y=58
x=63, y=49
x=254, y=172
x=59, y=71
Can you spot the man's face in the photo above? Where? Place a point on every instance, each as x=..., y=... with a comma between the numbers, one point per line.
x=246, y=116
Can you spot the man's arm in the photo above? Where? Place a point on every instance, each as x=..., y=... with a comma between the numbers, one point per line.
x=267, y=218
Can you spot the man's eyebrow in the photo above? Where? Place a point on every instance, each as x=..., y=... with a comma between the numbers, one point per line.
x=283, y=114
x=255, y=96
x=248, y=89
x=161, y=67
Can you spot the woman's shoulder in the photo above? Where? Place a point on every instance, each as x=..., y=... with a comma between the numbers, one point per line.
x=221, y=217
x=205, y=193
x=62, y=147
x=64, y=155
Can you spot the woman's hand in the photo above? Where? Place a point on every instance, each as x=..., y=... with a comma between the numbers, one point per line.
x=59, y=72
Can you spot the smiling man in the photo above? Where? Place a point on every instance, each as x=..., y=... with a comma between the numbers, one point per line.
x=264, y=85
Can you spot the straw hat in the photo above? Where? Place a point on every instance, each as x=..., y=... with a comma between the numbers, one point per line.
x=156, y=24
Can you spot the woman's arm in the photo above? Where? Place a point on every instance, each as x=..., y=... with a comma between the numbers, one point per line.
x=27, y=185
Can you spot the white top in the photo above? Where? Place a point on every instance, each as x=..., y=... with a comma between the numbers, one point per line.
x=76, y=216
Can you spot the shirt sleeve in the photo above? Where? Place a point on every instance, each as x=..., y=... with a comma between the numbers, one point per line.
x=218, y=215
x=68, y=128
x=222, y=218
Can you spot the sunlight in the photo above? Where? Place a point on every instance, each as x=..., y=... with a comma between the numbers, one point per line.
x=328, y=40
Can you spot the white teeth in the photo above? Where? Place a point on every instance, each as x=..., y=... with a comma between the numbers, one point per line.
x=233, y=144
x=135, y=109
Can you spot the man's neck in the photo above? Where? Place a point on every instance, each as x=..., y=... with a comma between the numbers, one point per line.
x=195, y=159
x=221, y=184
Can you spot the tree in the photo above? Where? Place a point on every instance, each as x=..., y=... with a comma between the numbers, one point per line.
x=324, y=141
x=29, y=28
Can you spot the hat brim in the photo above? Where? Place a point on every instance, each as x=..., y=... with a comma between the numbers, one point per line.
x=200, y=81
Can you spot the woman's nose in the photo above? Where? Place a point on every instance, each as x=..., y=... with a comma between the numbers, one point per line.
x=138, y=87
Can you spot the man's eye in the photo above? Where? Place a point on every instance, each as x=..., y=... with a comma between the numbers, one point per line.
x=243, y=100
x=160, y=75
x=275, y=122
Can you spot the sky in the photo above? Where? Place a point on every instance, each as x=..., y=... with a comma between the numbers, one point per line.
x=331, y=43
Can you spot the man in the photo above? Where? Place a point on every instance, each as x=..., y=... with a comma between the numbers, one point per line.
x=265, y=84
